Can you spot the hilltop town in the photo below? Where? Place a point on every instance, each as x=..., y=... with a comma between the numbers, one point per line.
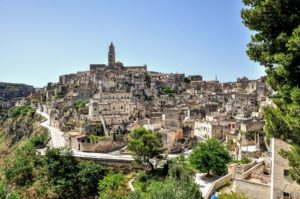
x=94, y=111
x=111, y=100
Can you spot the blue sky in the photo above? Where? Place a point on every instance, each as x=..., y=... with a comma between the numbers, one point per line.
x=40, y=40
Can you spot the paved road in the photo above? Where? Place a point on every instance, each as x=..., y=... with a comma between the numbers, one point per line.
x=57, y=141
x=57, y=138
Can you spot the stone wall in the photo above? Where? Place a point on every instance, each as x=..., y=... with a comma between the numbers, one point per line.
x=218, y=184
x=102, y=146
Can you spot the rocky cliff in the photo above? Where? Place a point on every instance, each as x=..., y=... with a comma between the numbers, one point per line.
x=9, y=91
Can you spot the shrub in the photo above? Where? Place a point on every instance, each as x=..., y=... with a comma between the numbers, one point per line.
x=22, y=110
x=80, y=104
x=245, y=160
x=39, y=140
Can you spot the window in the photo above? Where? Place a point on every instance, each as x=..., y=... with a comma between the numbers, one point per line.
x=286, y=195
x=285, y=172
x=121, y=107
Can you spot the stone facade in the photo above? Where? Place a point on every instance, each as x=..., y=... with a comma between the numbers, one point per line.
x=282, y=184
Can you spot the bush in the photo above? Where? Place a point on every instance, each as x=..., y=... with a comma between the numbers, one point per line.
x=22, y=110
x=168, y=90
x=245, y=160
x=80, y=104
x=2, y=190
x=39, y=140
x=112, y=186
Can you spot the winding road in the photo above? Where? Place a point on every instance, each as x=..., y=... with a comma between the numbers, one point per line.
x=58, y=141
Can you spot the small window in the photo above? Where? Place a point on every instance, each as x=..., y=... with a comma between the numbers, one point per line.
x=286, y=195
x=285, y=172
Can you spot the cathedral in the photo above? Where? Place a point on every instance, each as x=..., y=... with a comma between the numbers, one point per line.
x=116, y=65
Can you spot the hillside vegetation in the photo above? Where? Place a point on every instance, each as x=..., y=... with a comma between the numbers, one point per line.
x=26, y=174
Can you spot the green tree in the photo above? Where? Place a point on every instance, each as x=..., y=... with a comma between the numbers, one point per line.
x=171, y=188
x=180, y=169
x=178, y=184
x=19, y=170
x=145, y=145
x=88, y=175
x=62, y=172
x=39, y=140
x=112, y=186
x=210, y=156
x=70, y=178
x=276, y=45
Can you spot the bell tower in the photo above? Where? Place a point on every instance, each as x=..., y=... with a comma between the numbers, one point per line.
x=111, y=55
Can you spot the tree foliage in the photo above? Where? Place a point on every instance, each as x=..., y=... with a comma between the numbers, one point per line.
x=22, y=110
x=210, y=156
x=40, y=140
x=178, y=184
x=70, y=178
x=146, y=145
x=276, y=45
x=20, y=170
x=173, y=189
x=167, y=90
x=80, y=104
x=294, y=162
x=2, y=190
x=55, y=173
x=112, y=186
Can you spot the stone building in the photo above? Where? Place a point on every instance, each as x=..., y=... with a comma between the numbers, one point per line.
x=282, y=185
x=211, y=129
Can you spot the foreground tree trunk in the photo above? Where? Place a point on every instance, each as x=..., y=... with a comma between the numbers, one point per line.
x=208, y=174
